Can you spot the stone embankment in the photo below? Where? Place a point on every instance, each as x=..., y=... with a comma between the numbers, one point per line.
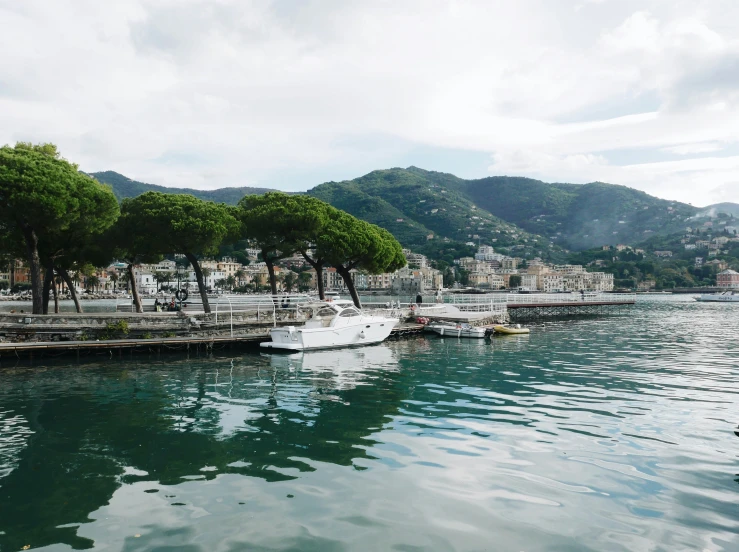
x=21, y=327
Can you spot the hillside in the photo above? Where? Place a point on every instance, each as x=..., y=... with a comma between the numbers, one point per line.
x=125, y=187
x=728, y=208
x=415, y=204
x=580, y=216
x=519, y=216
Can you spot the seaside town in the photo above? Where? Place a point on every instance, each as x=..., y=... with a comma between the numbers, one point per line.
x=487, y=270
x=369, y=276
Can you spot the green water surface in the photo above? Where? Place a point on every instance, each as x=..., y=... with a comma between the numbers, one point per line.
x=611, y=433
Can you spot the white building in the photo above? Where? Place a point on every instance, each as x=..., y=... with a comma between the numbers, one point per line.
x=487, y=253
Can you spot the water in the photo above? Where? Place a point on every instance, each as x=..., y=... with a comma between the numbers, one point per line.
x=65, y=305
x=594, y=434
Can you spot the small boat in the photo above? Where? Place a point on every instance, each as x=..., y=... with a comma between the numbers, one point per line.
x=510, y=330
x=332, y=325
x=730, y=296
x=456, y=330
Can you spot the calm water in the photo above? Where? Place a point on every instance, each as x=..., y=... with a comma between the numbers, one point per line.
x=599, y=434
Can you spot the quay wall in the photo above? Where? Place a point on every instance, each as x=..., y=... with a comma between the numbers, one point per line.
x=24, y=327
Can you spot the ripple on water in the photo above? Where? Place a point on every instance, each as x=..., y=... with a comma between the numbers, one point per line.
x=591, y=434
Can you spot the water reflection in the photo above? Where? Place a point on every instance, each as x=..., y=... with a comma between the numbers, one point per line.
x=608, y=434
x=88, y=430
x=338, y=368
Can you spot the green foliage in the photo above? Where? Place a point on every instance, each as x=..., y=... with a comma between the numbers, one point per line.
x=47, y=207
x=179, y=223
x=280, y=224
x=115, y=330
x=156, y=223
x=514, y=281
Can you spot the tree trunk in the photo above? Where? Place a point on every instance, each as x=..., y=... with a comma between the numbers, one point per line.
x=48, y=282
x=272, y=277
x=134, y=290
x=56, y=294
x=201, y=283
x=347, y=277
x=12, y=273
x=34, y=265
x=318, y=267
x=70, y=286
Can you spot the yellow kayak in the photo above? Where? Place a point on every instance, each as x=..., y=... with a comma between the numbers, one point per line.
x=510, y=330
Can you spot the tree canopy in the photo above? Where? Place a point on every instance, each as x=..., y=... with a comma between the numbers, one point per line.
x=280, y=224
x=180, y=223
x=346, y=243
x=42, y=197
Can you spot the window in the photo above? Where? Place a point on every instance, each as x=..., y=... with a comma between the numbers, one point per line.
x=350, y=311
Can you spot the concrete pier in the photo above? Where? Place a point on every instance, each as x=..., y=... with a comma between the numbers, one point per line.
x=116, y=347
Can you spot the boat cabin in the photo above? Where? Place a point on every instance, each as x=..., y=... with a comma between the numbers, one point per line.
x=333, y=315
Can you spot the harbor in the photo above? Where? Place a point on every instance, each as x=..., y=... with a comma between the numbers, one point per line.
x=244, y=321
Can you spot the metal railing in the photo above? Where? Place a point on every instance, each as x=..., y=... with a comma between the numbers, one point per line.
x=587, y=297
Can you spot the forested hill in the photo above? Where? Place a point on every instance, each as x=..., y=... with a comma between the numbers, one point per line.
x=125, y=187
x=728, y=208
x=580, y=215
x=506, y=212
x=574, y=216
x=414, y=207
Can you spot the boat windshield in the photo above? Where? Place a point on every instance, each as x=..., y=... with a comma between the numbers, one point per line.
x=350, y=311
x=326, y=312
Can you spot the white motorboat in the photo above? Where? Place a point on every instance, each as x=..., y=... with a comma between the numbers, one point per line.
x=330, y=326
x=456, y=330
x=730, y=296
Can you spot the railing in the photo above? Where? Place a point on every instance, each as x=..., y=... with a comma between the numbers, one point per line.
x=536, y=298
x=263, y=305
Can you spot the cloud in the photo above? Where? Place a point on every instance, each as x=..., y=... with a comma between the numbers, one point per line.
x=226, y=92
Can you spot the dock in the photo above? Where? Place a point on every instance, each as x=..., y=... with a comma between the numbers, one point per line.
x=117, y=347
x=528, y=307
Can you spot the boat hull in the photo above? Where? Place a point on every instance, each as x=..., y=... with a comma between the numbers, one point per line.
x=718, y=299
x=452, y=331
x=510, y=331
x=291, y=338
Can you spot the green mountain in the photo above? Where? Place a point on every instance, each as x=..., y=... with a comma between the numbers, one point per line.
x=581, y=216
x=716, y=208
x=418, y=206
x=519, y=216
x=125, y=187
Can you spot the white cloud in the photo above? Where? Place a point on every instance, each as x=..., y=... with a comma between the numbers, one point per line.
x=227, y=93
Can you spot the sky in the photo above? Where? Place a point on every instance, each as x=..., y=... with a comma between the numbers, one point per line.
x=290, y=94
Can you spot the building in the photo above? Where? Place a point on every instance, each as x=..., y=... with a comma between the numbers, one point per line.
x=529, y=281
x=408, y=282
x=728, y=279
x=415, y=260
x=663, y=253
x=487, y=253
x=332, y=280
x=552, y=283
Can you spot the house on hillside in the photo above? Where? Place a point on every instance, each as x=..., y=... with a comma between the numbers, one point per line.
x=728, y=279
